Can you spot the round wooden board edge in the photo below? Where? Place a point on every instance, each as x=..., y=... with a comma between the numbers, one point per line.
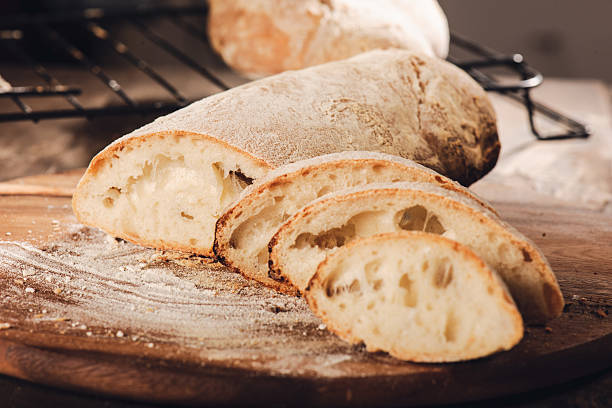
x=147, y=380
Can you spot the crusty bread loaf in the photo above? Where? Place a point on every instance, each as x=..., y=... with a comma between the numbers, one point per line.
x=337, y=218
x=165, y=184
x=262, y=37
x=244, y=230
x=417, y=296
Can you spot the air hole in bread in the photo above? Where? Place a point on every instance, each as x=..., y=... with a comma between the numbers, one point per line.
x=425, y=266
x=417, y=218
x=410, y=294
x=111, y=195
x=433, y=225
x=108, y=202
x=187, y=216
x=334, y=288
x=193, y=241
x=443, y=275
x=333, y=238
x=371, y=305
x=450, y=329
x=232, y=182
x=413, y=218
x=255, y=223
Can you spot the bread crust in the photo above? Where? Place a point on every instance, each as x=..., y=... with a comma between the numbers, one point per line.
x=263, y=37
x=550, y=292
x=504, y=300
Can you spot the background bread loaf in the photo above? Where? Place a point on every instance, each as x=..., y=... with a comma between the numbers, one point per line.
x=262, y=37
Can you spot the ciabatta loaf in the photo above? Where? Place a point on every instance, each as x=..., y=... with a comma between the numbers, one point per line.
x=335, y=219
x=262, y=37
x=165, y=184
x=244, y=230
x=417, y=296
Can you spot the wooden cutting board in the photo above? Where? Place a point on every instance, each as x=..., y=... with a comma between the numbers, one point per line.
x=82, y=311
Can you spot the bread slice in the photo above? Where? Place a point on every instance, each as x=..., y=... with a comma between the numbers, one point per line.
x=165, y=184
x=335, y=219
x=417, y=296
x=263, y=37
x=244, y=230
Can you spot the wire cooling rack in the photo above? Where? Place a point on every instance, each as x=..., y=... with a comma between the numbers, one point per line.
x=17, y=31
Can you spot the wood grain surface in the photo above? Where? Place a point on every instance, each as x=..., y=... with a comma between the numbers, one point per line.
x=84, y=312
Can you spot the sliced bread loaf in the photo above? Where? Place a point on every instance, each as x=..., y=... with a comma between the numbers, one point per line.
x=417, y=296
x=244, y=230
x=335, y=219
x=165, y=184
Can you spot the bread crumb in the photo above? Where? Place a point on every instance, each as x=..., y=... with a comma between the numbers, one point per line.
x=88, y=334
x=322, y=326
x=548, y=329
x=601, y=313
x=57, y=291
x=4, y=326
x=8, y=234
x=30, y=290
x=119, y=333
x=150, y=345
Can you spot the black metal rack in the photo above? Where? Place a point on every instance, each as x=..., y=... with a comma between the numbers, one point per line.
x=47, y=27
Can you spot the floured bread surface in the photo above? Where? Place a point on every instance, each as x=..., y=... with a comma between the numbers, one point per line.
x=337, y=218
x=244, y=230
x=417, y=296
x=165, y=191
x=262, y=37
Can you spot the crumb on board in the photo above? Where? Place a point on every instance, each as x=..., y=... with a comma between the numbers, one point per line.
x=4, y=326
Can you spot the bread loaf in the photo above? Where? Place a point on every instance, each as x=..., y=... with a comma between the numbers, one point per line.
x=417, y=296
x=263, y=37
x=165, y=184
x=244, y=230
x=335, y=219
